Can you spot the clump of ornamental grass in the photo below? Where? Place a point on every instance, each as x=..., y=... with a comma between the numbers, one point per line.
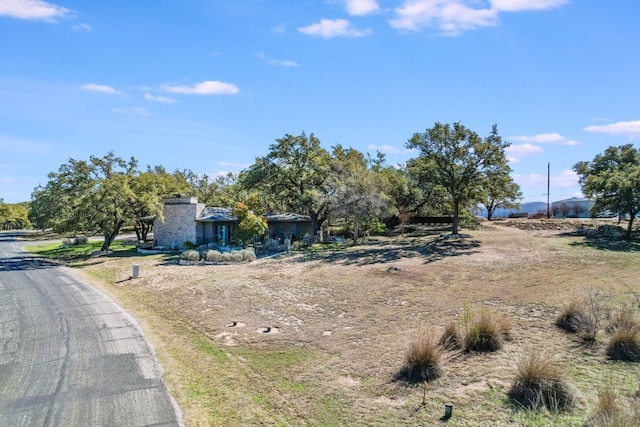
x=624, y=344
x=540, y=384
x=225, y=257
x=212, y=255
x=485, y=331
x=450, y=338
x=613, y=410
x=248, y=255
x=424, y=356
x=190, y=255
x=606, y=409
x=236, y=256
x=622, y=318
x=573, y=317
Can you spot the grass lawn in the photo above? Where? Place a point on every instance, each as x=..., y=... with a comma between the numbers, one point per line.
x=319, y=337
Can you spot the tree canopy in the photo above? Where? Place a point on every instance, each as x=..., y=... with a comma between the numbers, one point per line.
x=458, y=160
x=103, y=194
x=293, y=176
x=612, y=180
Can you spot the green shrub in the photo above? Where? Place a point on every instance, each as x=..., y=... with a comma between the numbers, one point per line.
x=212, y=255
x=76, y=241
x=540, y=384
x=424, y=356
x=188, y=245
x=190, y=255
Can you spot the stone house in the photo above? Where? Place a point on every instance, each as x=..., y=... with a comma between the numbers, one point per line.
x=186, y=220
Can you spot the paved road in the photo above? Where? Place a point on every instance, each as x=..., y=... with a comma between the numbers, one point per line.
x=70, y=356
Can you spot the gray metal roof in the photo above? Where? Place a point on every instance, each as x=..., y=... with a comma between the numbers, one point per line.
x=216, y=215
x=286, y=217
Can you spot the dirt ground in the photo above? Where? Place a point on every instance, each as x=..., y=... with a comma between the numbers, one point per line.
x=344, y=316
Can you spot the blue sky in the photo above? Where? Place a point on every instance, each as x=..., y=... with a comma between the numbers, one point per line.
x=208, y=85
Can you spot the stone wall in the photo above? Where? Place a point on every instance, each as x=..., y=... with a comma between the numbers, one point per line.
x=179, y=224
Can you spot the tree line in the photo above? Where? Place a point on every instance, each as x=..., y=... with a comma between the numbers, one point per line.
x=454, y=171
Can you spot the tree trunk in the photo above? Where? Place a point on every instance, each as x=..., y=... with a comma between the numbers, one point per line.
x=109, y=237
x=456, y=211
x=629, y=226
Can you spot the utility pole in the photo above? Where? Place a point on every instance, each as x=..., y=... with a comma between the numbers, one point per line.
x=548, y=186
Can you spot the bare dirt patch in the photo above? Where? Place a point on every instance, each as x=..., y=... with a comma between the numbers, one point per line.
x=317, y=338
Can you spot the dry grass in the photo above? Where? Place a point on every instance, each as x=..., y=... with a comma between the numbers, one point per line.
x=540, y=384
x=611, y=409
x=624, y=317
x=624, y=344
x=486, y=331
x=450, y=338
x=574, y=318
x=424, y=357
x=343, y=317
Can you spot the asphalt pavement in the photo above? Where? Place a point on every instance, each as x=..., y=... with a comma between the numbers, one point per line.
x=69, y=355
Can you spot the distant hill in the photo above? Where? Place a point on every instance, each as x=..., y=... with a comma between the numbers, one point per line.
x=530, y=208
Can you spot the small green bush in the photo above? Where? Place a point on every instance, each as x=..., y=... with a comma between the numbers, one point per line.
x=80, y=240
x=212, y=255
x=190, y=255
x=76, y=241
x=188, y=245
x=540, y=384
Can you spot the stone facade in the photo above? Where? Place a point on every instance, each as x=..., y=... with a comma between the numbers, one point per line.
x=186, y=220
x=179, y=224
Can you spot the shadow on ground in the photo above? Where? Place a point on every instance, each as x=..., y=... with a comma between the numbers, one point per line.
x=21, y=263
x=605, y=243
x=386, y=252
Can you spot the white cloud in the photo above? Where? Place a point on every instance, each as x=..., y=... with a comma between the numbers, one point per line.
x=277, y=62
x=544, y=138
x=523, y=150
x=361, y=7
x=328, y=29
x=93, y=87
x=33, y=10
x=163, y=99
x=452, y=17
x=566, y=179
x=631, y=129
x=82, y=27
x=518, y=5
x=131, y=111
x=209, y=87
x=388, y=149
